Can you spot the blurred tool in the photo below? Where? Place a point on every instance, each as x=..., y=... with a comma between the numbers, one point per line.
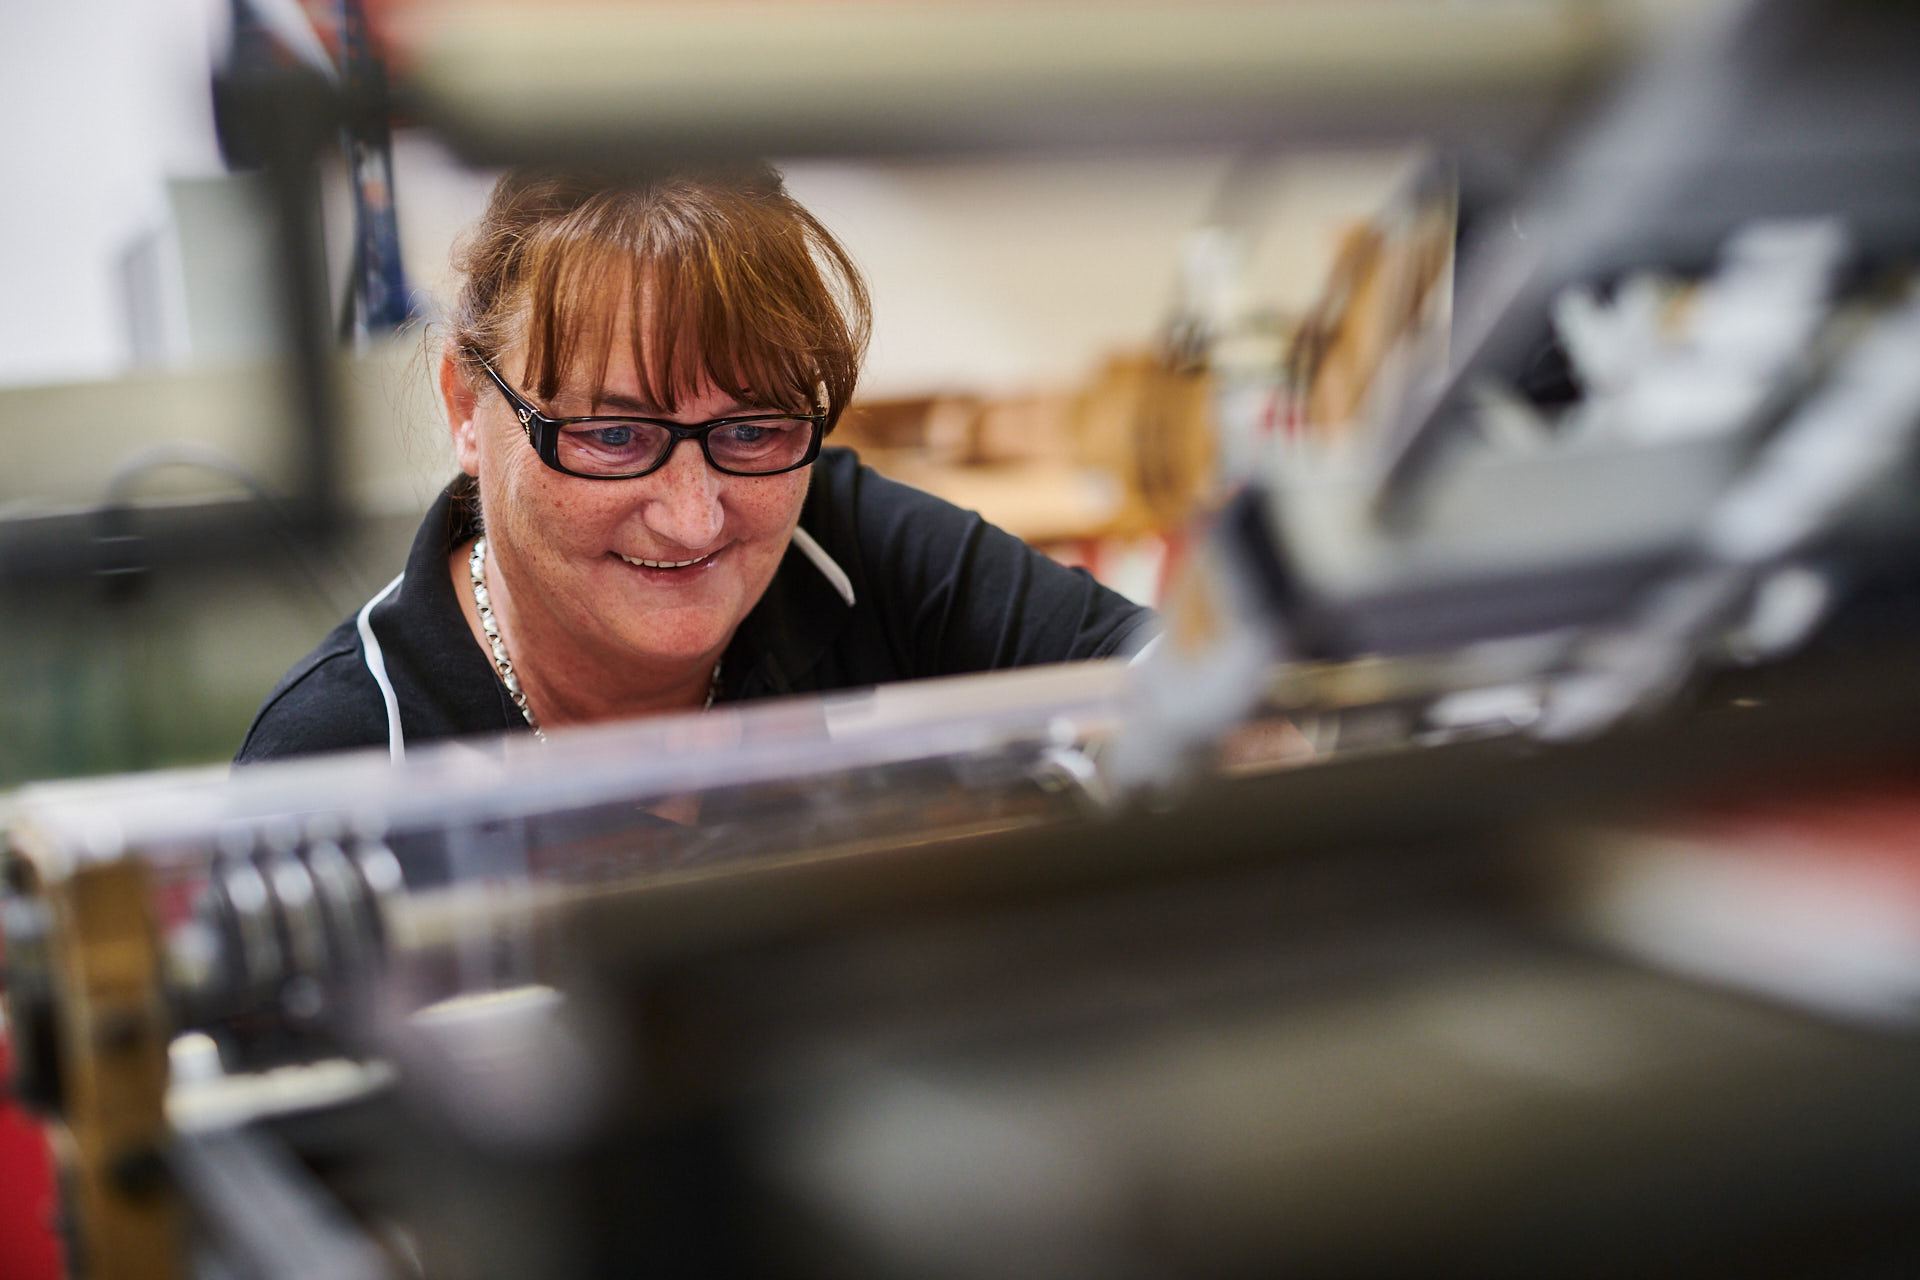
x=378, y=299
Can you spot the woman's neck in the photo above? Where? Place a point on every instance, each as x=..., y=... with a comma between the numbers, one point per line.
x=567, y=682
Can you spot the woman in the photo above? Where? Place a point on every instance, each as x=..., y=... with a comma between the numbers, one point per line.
x=638, y=378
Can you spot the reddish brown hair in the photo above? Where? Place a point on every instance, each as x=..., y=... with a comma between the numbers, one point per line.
x=727, y=280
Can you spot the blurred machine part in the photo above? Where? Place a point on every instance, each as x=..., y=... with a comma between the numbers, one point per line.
x=1027, y=974
x=890, y=985
x=1815, y=900
x=1704, y=452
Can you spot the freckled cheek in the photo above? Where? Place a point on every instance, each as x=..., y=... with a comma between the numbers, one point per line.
x=765, y=510
x=564, y=513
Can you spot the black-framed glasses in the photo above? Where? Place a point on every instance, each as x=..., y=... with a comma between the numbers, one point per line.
x=622, y=447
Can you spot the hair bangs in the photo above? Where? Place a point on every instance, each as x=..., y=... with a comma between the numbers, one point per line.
x=577, y=269
x=708, y=316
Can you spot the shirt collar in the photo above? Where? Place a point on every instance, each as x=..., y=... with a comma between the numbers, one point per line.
x=780, y=640
x=785, y=635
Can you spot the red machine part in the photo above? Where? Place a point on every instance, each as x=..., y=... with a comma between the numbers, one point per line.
x=29, y=1247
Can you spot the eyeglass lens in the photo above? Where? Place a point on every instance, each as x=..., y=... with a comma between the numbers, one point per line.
x=617, y=448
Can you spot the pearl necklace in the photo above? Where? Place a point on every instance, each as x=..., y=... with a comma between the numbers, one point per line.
x=477, y=571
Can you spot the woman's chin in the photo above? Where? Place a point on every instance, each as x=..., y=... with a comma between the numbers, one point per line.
x=685, y=645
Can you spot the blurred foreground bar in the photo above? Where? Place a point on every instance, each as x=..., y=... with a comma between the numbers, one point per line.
x=606, y=84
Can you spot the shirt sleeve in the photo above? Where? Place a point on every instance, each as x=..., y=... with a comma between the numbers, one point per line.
x=960, y=595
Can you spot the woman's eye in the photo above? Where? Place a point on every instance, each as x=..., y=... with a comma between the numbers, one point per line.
x=613, y=437
x=764, y=444
x=608, y=438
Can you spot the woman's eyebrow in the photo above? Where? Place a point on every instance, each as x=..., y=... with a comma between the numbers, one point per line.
x=627, y=404
x=647, y=409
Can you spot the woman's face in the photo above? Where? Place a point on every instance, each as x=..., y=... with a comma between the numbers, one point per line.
x=583, y=558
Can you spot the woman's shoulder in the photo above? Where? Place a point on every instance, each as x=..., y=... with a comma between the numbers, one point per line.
x=842, y=480
x=956, y=593
x=327, y=701
x=851, y=507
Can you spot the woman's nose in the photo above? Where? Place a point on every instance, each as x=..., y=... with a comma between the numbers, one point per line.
x=684, y=506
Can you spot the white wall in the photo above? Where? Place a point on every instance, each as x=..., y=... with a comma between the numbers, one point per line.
x=102, y=99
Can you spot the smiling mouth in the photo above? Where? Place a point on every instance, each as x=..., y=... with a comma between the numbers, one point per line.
x=666, y=564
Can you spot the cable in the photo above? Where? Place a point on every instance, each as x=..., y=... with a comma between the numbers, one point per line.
x=316, y=573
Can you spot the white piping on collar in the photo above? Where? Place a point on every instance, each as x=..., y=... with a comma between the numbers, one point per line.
x=377, y=667
x=832, y=572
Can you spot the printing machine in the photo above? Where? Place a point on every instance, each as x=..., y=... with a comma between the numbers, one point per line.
x=1597, y=959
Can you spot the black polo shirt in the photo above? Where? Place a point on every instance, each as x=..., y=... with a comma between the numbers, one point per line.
x=935, y=591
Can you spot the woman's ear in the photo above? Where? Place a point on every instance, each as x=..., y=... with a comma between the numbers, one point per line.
x=462, y=401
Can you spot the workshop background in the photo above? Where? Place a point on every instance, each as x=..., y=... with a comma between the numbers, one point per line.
x=1019, y=302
